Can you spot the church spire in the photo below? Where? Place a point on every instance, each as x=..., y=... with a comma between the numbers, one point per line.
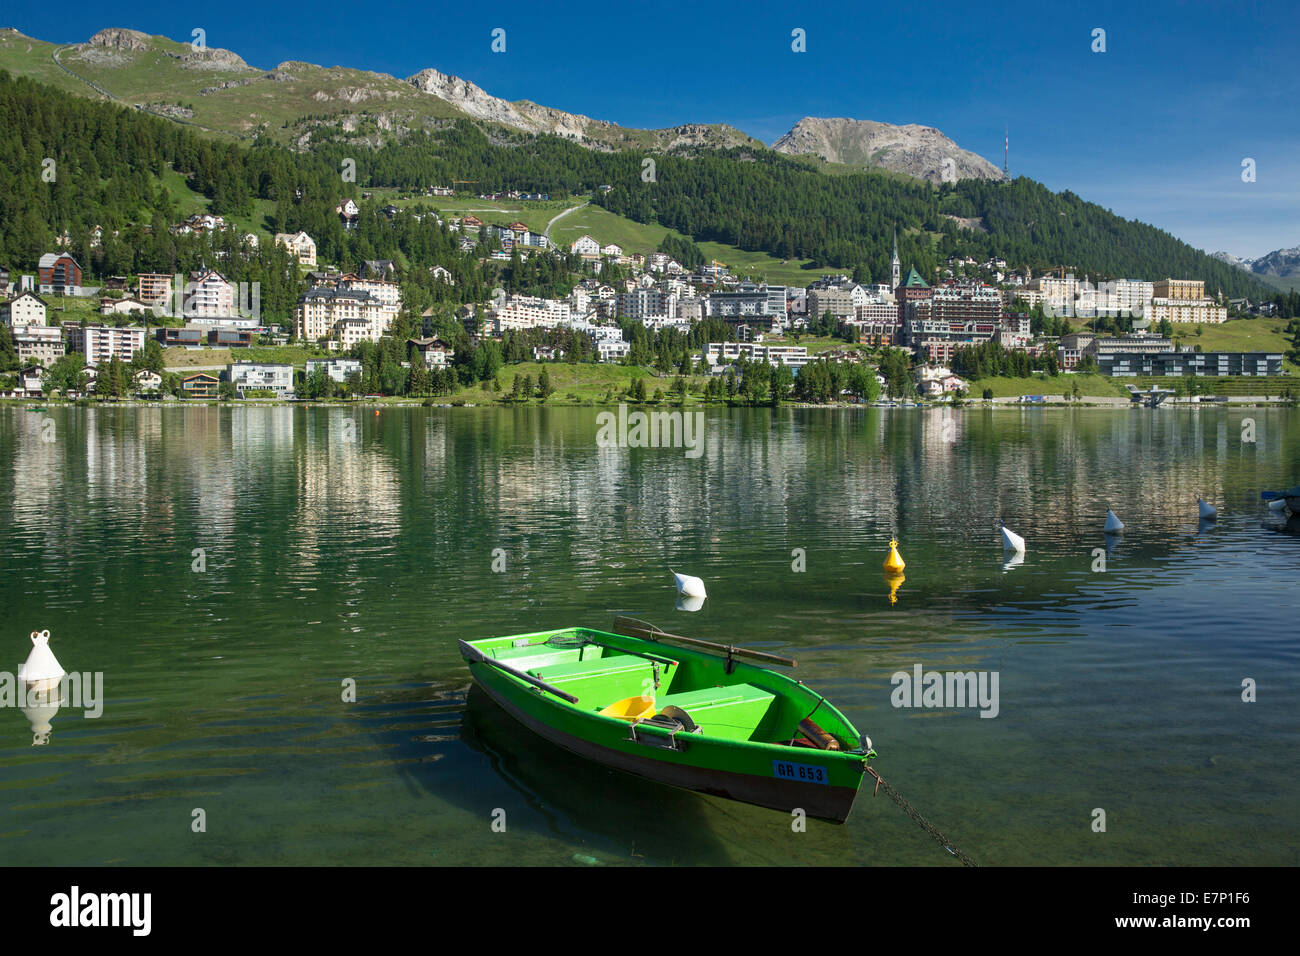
x=895, y=264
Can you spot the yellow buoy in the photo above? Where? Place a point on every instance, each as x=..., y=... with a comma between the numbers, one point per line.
x=894, y=563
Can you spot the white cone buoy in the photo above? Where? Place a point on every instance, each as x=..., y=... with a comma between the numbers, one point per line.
x=689, y=586
x=1010, y=540
x=1277, y=504
x=1113, y=524
x=1206, y=510
x=41, y=669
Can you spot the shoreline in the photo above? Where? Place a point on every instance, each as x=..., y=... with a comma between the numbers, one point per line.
x=397, y=402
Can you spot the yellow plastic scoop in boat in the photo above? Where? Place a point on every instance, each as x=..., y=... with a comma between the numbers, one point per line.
x=631, y=708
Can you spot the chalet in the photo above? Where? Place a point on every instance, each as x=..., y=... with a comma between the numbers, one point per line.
x=442, y=275
x=585, y=246
x=471, y=222
x=547, y=353
x=327, y=279
x=612, y=249
x=59, y=273
x=200, y=385
x=390, y=211
x=29, y=381
x=348, y=212
x=378, y=268
x=148, y=382
x=435, y=352
x=122, y=306
x=300, y=245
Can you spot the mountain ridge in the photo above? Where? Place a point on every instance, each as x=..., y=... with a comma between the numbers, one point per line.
x=292, y=100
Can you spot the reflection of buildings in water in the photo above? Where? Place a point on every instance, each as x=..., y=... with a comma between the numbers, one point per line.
x=1058, y=471
x=37, y=476
x=348, y=487
x=267, y=428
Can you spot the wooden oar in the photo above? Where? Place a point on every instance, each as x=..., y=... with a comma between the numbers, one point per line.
x=631, y=627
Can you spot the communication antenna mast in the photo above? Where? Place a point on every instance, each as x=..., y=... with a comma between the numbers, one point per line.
x=1006, y=152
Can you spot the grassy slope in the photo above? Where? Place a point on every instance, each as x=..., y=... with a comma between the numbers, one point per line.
x=1052, y=387
x=1239, y=335
x=24, y=56
x=588, y=382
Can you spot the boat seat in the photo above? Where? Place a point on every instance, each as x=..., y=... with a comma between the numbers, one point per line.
x=733, y=712
x=616, y=665
x=711, y=697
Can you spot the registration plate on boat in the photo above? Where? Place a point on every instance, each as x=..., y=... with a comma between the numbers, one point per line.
x=806, y=773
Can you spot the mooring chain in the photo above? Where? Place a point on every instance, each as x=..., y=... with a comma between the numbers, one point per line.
x=915, y=814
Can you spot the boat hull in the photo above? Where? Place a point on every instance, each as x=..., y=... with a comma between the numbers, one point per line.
x=735, y=771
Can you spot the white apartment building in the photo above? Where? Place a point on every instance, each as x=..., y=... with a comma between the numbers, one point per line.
x=99, y=343
x=338, y=369
x=612, y=350
x=327, y=313
x=38, y=344
x=726, y=353
x=1121, y=296
x=646, y=303
x=585, y=246
x=208, y=293
x=256, y=376
x=526, y=312
x=388, y=293
x=1058, y=294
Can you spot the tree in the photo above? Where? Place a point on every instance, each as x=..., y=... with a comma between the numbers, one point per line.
x=781, y=384
x=67, y=374
x=544, y=388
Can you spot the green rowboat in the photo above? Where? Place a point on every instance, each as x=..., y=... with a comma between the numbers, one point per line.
x=696, y=717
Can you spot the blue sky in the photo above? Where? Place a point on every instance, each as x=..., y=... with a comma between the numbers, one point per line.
x=1155, y=128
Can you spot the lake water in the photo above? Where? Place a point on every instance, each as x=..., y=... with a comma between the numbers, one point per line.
x=342, y=544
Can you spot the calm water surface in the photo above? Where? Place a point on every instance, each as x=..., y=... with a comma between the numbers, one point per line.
x=343, y=544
